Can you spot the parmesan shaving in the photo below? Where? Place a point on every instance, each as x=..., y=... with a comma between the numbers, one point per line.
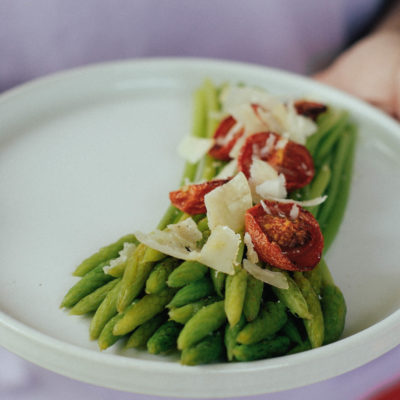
x=124, y=254
x=269, y=120
x=228, y=170
x=185, y=231
x=273, y=114
x=269, y=145
x=233, y=96
x=306, y=203
x=277, y=279
x=227, y=204
x=274, y=187
x=298, y=126
x=234, y=153
x=180, y=241
x=265, y=208
x=193, y=149
x=220, y=250
x=294, y=212
x=177, y=240
x=246, y=117
x=281, y=143
x=265, y=182
x=224, y=140
x=251, y=253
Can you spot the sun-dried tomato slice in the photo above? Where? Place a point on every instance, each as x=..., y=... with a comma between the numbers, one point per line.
x=225, y=138
x=190, y=198
x=291, y=159
x=284, y=237
x=310, y=109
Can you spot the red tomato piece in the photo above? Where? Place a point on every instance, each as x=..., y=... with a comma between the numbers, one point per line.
x=222, y=143
x=310, y=109
x=225, y=137
x=291, y=243
x=190, y=198
x=293, y=160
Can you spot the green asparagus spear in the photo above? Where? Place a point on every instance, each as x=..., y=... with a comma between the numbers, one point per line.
x=218, y=280
x=315, y=325
x=136, y=273
x=264, y=349
x=103, y=255
x=157, y=280
x=93, y=300
x=208, y=350
x=164, y=338
x=303, y=346
x=293, y=299
x=86, y=285
x=335, y=217
x=192, y=292
x=143, y=333
x=145, y=309
x=334, y=311
x=184, y=313
x=326, y=123
x=326, y=145
x=231, y=333
x=106, y=310
x=235, y=292
x=338, y=165
x=290, y=330
x=198, y=130
x=315, y=278
x=107, y=338
x=187, y=272
x=271, y=319
x=252, y=301
x=207, y=320
x=319, y=186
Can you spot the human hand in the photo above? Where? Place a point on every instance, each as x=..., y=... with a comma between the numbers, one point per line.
x=370, y=69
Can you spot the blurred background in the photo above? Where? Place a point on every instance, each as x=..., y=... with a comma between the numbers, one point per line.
x=45, y=36
x=41, y=37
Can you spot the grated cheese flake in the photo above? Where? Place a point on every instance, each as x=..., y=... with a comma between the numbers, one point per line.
x=193, y=149
x=277, y=279
x=251, y=253
x=227, y=204
x=294, y=211
x=220, y=250
x=265, y=182
x=124, y=254
x=273, y=114
x=177, y=240
x=228, y=170
x=306, y=203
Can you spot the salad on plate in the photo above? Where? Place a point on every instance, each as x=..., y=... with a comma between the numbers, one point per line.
x=235, y=270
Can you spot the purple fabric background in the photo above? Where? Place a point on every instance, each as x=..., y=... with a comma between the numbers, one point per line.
x=41, y=37
x=44, y=36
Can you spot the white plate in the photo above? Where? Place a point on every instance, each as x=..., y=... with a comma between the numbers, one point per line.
x=89, y=155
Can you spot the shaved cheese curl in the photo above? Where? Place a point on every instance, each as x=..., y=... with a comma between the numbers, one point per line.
x=220, y=250
x=227, y=204
x=277, y=279
x=251, y=253
x=193, y=149
x=177, y=240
